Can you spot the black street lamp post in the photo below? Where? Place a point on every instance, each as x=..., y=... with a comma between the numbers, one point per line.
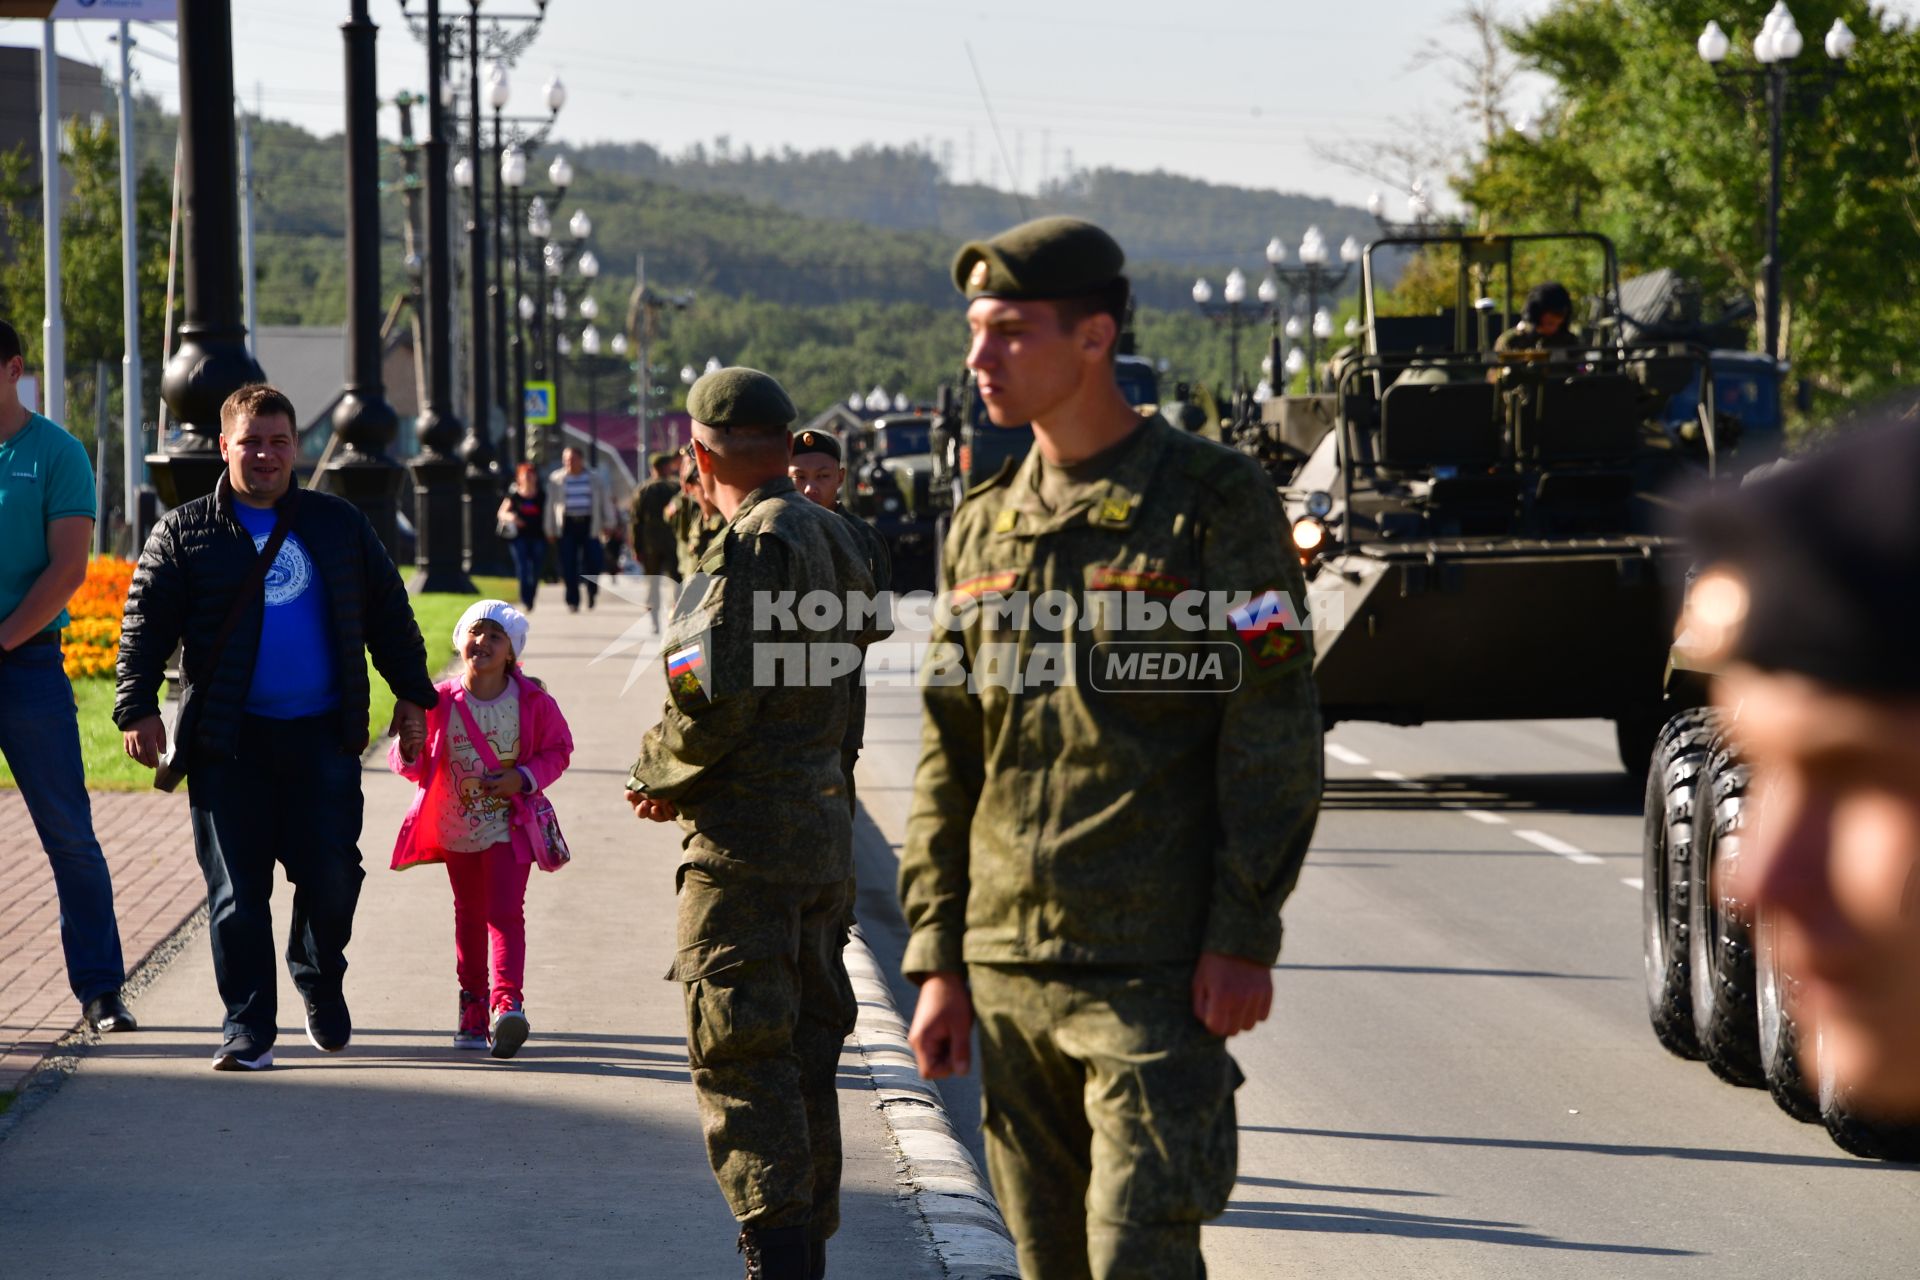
x=439, y=495
x=1772, y=81
x=1231, y=311
x=361, y=471
x=211, y=362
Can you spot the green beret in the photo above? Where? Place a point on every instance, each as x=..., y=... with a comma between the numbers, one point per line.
x=739, y=397
x=811, y=441
x=1045, y=258
x=662, y=457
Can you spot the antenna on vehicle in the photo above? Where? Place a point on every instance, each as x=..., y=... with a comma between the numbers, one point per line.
x=1000, y=142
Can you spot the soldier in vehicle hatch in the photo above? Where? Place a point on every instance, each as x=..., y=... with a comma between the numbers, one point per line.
x=1094, y=875
x=1545, y=323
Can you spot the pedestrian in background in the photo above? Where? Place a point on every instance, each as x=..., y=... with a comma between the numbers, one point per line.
x=46, y=526
x=1094, y=873
x=579, y=510
x=525, y=506
x=272, y=593
x=494, y=740
x=750, y=766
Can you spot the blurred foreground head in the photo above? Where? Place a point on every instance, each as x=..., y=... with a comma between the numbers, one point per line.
x=1809, y=603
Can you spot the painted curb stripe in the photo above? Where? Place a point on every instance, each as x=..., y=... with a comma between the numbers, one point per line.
x=937, y=1172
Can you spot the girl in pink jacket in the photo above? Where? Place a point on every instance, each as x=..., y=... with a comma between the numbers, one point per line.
x=472, y=812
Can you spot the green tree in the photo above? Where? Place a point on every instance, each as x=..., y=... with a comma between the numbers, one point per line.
x=1641, y=142
x=90, y=279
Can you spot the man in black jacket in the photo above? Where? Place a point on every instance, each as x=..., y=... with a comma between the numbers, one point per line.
x=276, y=720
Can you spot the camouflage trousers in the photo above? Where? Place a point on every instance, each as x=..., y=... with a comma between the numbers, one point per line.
x=768, y=1006
x=1109, y=1119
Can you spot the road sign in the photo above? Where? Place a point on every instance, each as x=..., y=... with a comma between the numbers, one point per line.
x=538, y=398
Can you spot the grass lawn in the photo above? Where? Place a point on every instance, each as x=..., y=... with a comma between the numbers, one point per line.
x=108, y=768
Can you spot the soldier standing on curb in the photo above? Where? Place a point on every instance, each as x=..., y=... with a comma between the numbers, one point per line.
x=747, y=757
x=816, y=471
x=1104, y=867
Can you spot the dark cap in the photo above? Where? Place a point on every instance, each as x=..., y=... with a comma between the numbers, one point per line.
x=662, y=457
x=1045, y=258
x=1823, y=558
x=739, y=397
x=811, y=441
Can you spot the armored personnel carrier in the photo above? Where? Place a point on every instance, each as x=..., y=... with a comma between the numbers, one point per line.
x=1483, y=531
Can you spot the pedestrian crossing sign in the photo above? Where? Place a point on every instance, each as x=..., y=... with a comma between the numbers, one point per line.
x=538, y=399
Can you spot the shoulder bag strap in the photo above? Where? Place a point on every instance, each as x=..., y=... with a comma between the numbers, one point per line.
x=478, y=740
x=256, y=577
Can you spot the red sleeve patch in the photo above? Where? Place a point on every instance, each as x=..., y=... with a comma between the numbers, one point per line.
x=987, y=584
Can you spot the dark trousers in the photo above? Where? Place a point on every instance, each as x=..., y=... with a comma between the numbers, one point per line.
x=529, y=552
x=579, y=554
x=288, y=794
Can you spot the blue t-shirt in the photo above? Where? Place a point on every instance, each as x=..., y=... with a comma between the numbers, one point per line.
x=293, y=671
x=44, y=476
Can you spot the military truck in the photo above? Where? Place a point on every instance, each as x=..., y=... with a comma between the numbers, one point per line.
x=1484, y=533
x=890, y=471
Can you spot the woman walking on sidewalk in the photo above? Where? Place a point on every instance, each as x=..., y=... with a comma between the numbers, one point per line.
x=526, y=507
x=494, y=742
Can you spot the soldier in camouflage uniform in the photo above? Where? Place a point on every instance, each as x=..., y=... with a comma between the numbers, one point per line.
x=695, y=520
x=816, y=470
x=1104, y=864
x=1544, y=323
x=747, y=758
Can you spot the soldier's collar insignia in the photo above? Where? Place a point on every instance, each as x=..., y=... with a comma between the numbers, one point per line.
x=1116, y=510
x=1007, y=521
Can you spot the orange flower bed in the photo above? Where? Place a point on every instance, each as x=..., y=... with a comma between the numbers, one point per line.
x=92, y=641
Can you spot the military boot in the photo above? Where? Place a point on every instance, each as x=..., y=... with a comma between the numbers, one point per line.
x=775, y=1253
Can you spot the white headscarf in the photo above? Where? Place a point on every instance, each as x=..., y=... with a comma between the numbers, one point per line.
x=511, y=621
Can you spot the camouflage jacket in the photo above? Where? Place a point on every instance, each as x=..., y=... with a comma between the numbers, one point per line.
x=880, y=564
x=1106, y=820
x=694, y=533
x=748, y=744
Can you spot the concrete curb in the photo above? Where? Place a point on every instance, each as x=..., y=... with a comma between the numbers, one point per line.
x=45, y=1080
x=937, y=1173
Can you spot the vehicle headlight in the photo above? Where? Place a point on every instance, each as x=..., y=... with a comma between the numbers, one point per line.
x=1308, y=534
x=1319, y=503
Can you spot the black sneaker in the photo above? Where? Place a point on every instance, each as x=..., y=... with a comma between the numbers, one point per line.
x=240, y=1053
x=329, y=1025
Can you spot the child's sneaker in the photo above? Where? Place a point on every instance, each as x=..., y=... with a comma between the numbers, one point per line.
x=472, y=1032
x=509, y=1030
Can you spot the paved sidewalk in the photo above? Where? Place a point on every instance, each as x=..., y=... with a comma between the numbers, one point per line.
x=156, y=886
x=403, y=1157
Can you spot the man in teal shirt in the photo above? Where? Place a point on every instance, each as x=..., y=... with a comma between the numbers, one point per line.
x=46, y=523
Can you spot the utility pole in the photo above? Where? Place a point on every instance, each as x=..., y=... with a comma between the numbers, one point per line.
x=53, y=394
x=132, y=394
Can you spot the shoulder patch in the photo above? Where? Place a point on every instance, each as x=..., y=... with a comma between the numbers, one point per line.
x=985, y=584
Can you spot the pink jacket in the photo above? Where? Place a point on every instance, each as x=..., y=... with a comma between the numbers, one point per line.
x=545, y=747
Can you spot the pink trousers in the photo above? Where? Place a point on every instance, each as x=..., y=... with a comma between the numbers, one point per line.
x=490, y=923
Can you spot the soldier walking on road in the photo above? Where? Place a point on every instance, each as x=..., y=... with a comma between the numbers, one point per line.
x=816, y=470
x=747, y=757
x=1104, y=865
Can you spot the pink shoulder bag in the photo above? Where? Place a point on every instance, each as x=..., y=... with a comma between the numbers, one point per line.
x=541, y=824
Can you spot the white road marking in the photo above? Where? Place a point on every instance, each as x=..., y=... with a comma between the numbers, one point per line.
x=1634, y=883
x=1389, y=775
x=1481, y=815
x=1552, y=844
x=1345, y=755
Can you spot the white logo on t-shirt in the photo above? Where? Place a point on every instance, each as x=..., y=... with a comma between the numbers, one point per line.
x=292, y=571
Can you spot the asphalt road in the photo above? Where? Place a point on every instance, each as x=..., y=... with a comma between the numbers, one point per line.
x=1459, y=1079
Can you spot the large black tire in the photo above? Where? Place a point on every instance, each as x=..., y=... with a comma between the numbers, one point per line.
x=1719, y=944
x=1679, y=754
x=1776, y=994
x=1858, y=1135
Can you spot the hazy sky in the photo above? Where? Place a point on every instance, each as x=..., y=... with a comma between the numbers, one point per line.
x=1226, y=90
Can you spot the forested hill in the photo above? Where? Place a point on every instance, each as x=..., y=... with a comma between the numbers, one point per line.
x=1159, y=217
